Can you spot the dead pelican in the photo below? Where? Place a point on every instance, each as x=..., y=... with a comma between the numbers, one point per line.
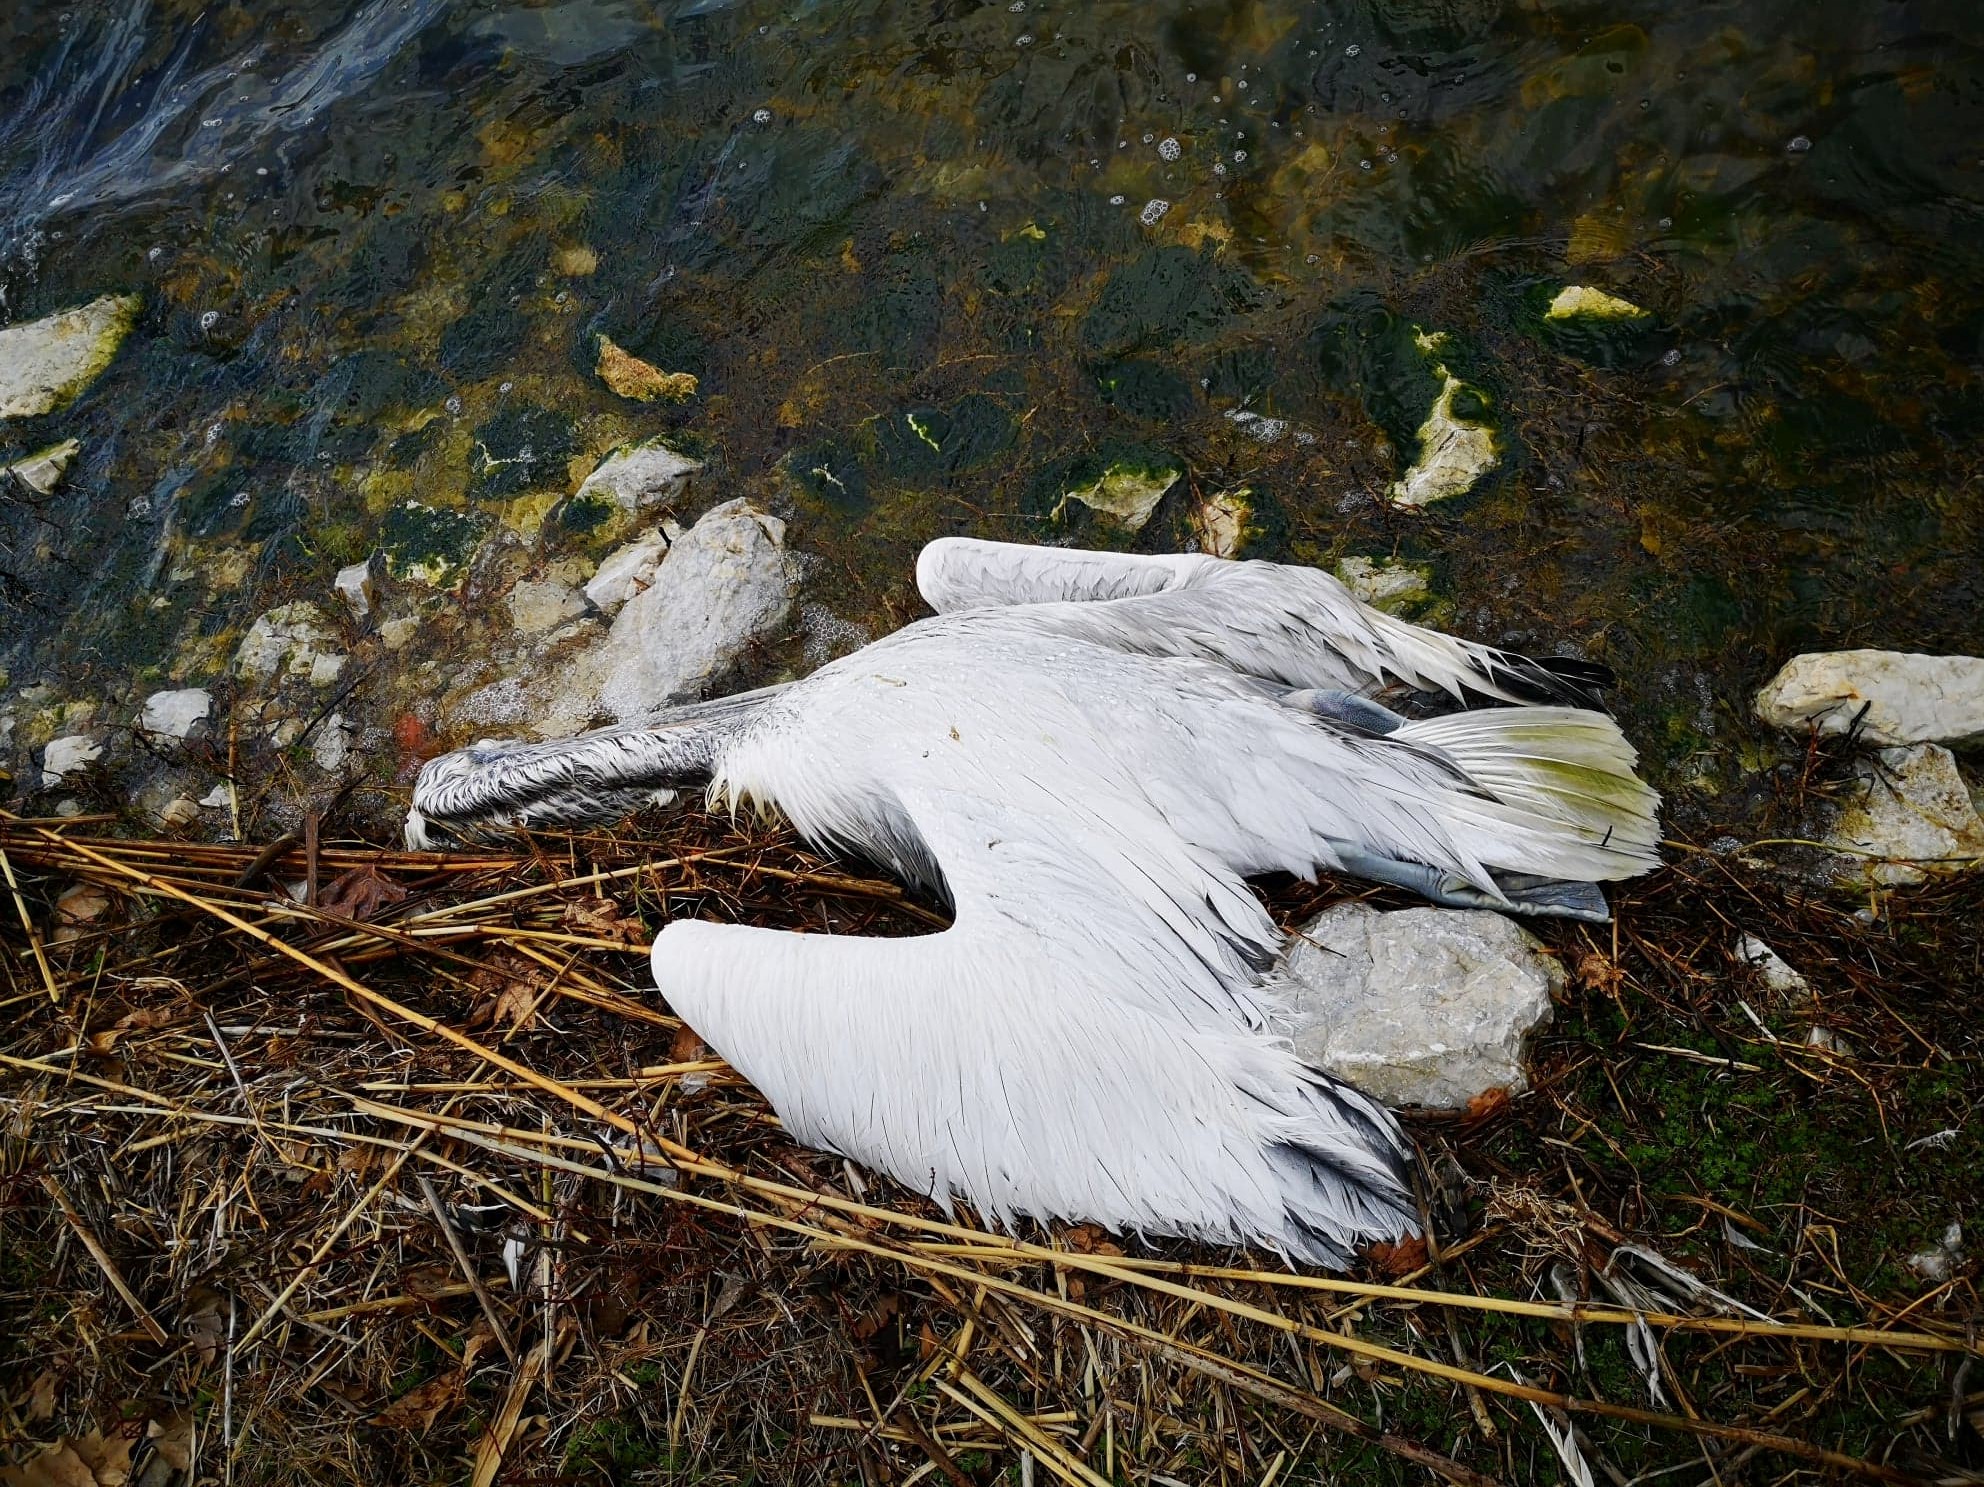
x=1087, y=754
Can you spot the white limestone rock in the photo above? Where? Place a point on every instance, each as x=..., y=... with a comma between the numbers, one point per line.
x=1126, y=493
x=330, y=746
x=536, y=608
x=175, y=714
x=1419, y=1006
x=1775, y=972
x=42, y=471
x=1908, y=698
x=1912, y=815
x=46, y=365
x=635, y=477
x=179, y=813
x=358, y=586
x=726, y=583
x=627, y=571
x=291, y=640
x=1390, y=584
x=1455, y=452
x=65, y=756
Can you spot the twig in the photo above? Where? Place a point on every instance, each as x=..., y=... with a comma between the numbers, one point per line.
x=101, y=1255
x=27, y=924
x=467, y=1265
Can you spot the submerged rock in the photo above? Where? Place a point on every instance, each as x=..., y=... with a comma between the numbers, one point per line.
x=635, y=477
x=46, y=365
x=1912, y=815
x=631, y=377
x=176, y=713
x=536, y=607
x=725, y=584
x=430, y=545
x=65, y=756
x=1582, y=302
x=1419, y=1006
x=1390, y=584
x=1456, y=449
x=1895, y=697
x=42, y=471
x=627, y=571
x=290, y=641
x=1127, y=492
x=1223, y=522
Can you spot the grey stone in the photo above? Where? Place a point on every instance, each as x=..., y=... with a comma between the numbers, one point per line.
x=330, y=746
x=42, y=471
x=176, y=713
x=726, y=583
x=46, y=365
x=1776, y=974
x=637, y=476
x=1455, y=452
x=536, y=607
x=1419, y=1006
x=627, y=571
x=64, y=756
x=1906, y=697
x=1911, y=815
x=291, y=640
x=1390, y=584
x=358, y=586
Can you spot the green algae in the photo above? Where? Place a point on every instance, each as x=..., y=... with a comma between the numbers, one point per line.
x=425, y=545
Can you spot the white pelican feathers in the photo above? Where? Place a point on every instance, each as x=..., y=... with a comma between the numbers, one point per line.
x=1087, y=754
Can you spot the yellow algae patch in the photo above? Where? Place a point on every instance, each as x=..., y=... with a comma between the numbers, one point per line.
x=1582, y=302
x=576, y=261
x=633, y=378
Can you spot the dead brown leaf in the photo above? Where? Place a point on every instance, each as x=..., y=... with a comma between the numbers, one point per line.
x=41, y=1396
x=1488, y=1104
x=1596, y=972
x=144, y=1020
x=420, y=1406
x=686, y=1048
x=1398, y=1259
x=173, y=1440
x=58, y=1466
x=360, y=894
x=603, y=919
x=80, y=906
x=1092, y=1239
x=200, y=1323
x=513, y=984
x=93, y=1460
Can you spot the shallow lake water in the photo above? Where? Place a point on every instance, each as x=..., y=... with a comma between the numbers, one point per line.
x=930, y=263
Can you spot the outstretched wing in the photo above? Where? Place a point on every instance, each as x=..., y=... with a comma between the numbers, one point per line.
x=1280, y=622
x=1068, y=1048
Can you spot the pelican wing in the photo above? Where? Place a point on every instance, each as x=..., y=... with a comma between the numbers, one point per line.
x=1065, y=1049
x=1280, y=622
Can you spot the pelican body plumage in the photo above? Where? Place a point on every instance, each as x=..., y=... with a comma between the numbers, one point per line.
x=1087, y=755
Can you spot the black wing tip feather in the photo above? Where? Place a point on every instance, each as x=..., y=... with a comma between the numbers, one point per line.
x=1564, y=680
